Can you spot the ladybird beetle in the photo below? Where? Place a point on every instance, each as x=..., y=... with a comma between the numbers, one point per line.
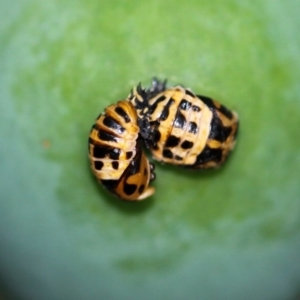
x=183, y=128
x=116, y=156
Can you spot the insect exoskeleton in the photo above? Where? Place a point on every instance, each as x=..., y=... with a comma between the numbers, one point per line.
x=185, y=129
x=116, y=155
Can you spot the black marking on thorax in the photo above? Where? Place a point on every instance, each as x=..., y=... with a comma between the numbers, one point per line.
x=218, y=131
x=188, y=92
x=166, y=110
x=153, y=107
x=110, y=184
x=209, y=154
x=209, y=102
x=226, y=112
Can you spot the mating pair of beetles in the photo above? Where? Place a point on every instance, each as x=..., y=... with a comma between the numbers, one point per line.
x=176, y=125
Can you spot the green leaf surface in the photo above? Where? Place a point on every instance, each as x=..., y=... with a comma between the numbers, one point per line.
x=232, y=233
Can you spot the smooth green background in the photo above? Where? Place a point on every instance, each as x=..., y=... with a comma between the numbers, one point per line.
x=227, y=234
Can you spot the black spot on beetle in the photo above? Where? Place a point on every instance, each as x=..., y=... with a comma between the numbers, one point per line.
x=167, y=153
x=184, y=104
x=114, y=153
x=121, y=112
x=113, y=124
x=141, y=189
x=192, y=127
x=98, y=165
x=196, y=108
x=180, y=120
x=106, y=136
x=129, y=189
x=101, y=152
x=187, y=145
x=172, y=141
x=156, y=136
x=115, y=165
x=129, y=154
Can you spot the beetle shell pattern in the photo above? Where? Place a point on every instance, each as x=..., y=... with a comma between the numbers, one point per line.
x=116, y=156
x=189, y=130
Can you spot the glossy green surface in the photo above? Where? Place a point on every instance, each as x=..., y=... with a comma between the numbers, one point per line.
x=227, y=234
